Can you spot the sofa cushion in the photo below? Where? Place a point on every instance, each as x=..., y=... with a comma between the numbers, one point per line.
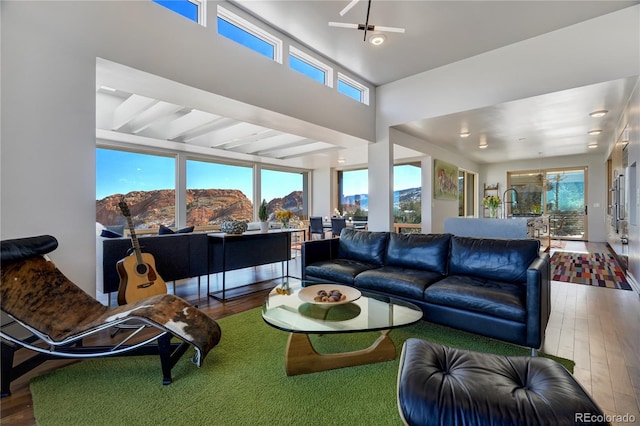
x=395, y=280
x=492, y=259
x=363, y=246
x=338, y=270
x=492, y=298
x=419, y=251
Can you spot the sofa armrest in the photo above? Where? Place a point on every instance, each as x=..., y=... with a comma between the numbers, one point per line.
x=318, y=250
x=538, y=300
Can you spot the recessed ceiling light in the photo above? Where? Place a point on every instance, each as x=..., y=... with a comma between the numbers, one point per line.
x=599, y=113
x=465, y=134
x=377, y=39
x=340, y=160
x=593, y=145
x=108, y=89
x=483, y=145
x=594, y=132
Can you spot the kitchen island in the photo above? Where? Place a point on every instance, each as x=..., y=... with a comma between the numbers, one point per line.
x=529, y=226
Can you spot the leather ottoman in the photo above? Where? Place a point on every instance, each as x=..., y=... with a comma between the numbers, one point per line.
x=438, y=385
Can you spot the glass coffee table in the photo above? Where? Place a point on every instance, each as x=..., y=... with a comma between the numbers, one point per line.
x=289, y=308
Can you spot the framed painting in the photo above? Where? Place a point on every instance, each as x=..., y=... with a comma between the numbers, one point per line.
x=445, y=181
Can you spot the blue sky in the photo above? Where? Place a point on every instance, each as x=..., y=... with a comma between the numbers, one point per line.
x=120, y=172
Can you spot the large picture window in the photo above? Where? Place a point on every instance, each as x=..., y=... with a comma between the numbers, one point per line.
x=141, y=180
x=217, y=192
x=354, y=193
x=407, y=193
x=283, y=191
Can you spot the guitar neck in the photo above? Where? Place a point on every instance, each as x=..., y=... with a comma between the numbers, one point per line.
x=134, y=241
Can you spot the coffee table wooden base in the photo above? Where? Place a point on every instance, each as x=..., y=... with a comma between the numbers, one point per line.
x=302, y=358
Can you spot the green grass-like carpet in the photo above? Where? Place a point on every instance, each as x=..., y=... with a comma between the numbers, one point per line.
x=242, y=382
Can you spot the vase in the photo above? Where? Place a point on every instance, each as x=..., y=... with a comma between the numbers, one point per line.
x=233, y=227
x=264, y=226
x=493, y=212
x=285, y=223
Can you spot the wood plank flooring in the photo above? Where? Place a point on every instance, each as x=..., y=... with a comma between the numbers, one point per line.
x=599, y=328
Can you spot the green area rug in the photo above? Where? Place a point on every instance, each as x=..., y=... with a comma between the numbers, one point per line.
x=242, y=382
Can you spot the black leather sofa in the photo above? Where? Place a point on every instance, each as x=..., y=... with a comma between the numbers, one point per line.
x=494, y=287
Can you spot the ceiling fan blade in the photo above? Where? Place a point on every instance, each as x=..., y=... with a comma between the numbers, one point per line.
x=343, y=25
x=348, y=7
x=388, y=29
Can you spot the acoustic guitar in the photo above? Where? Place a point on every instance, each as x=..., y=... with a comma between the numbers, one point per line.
x=138, y=276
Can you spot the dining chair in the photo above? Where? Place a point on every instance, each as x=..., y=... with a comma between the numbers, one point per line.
x=315, y=227
x=337, y=225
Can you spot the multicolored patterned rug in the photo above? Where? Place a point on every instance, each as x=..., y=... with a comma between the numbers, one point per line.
x=599, y=269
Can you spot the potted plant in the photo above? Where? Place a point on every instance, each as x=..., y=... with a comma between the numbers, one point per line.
x=263, y=215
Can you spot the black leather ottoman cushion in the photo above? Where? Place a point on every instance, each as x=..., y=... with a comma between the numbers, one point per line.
x=504, y=300
x=398, y=281
x=438, y=385
x=337, y=270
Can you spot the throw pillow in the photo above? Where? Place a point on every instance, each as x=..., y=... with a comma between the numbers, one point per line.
x=107, y=233
x=186, y=230
x=165, y=230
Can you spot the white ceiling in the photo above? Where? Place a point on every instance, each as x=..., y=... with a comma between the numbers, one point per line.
x=437, y=33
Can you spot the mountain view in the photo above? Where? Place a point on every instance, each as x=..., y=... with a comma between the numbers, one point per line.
x=150, y=209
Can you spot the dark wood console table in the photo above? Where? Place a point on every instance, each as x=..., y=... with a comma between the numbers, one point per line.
x=228, y=252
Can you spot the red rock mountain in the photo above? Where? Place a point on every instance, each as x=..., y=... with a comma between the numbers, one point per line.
x=150, y=209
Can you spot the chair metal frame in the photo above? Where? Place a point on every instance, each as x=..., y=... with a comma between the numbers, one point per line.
x=139, y=332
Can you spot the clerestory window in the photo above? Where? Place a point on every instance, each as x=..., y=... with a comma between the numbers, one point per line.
x=351, y=88
x=310, y=66
x=249, y=35
x=193, y=10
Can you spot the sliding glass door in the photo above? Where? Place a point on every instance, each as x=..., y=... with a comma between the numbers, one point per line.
x=566, y=203
x=559, y=193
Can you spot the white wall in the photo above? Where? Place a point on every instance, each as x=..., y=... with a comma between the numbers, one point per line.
x=559, y=60
x=48, y=133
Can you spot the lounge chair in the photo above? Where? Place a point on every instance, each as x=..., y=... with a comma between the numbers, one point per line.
x=56, y=319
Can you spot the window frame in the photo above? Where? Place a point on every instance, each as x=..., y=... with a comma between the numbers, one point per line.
x=253, y=30
x=364, y=90
x=313, y=62
x=202, y=10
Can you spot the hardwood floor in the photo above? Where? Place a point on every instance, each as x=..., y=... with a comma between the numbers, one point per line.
x=599, y=328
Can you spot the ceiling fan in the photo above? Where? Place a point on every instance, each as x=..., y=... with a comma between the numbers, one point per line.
x=366, y=26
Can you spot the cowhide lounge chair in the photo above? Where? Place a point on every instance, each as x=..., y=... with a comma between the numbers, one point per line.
x=57, y=319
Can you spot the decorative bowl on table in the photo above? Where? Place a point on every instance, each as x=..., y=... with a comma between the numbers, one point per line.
x=233, y=227
x=328, y=294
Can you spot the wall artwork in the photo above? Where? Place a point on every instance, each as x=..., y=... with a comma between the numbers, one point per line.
x=445, y=181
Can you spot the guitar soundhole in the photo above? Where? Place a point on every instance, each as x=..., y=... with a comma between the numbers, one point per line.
x=141, y=268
